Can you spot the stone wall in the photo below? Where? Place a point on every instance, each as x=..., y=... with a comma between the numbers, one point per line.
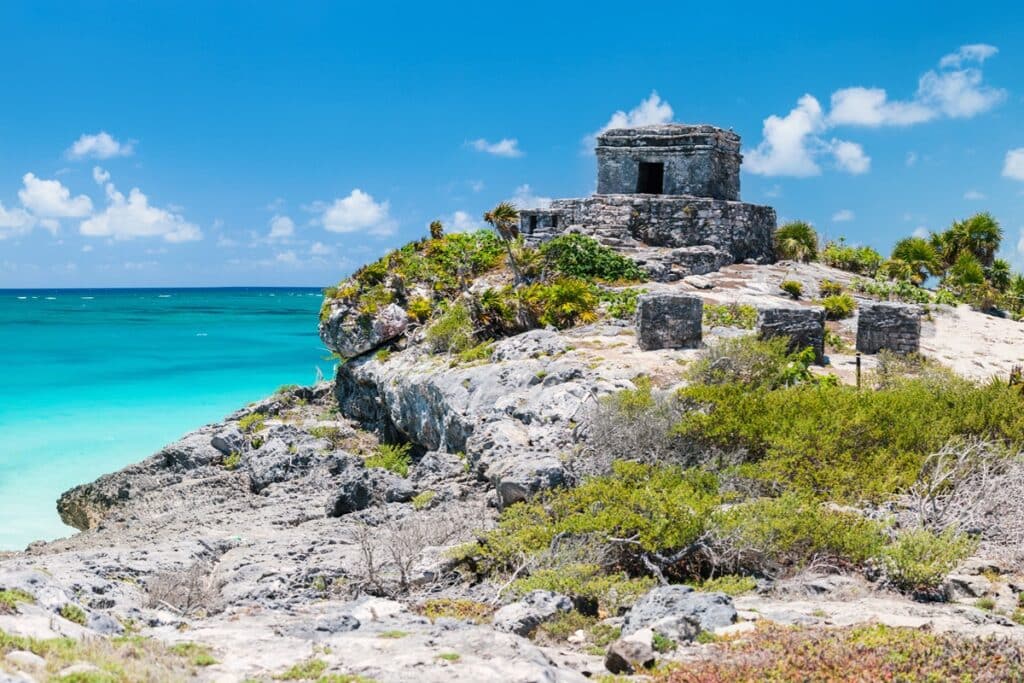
x=803, y=326
x=889, y=326
x=669, y=321
x=743, y=231
x=701, y=161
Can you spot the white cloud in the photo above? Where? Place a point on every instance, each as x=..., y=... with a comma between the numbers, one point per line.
x=281, y=227
x=525, y=199
x=87, y=248
x=461, y=221
x=921, y=231
x=870, y=107
x=842, y=216
x=850, y=157
x=974, y=195
x=358, y=212
x=101, y=176
x=287, y=258
x=99, y=146
x=790, y=142
x=977, y=52
x=15, y=222
x=650, y=112
x=50, y=199
x=1013, y=165
x=131, y=217
x=506, y=147
x=793, y=144
x=320, y=249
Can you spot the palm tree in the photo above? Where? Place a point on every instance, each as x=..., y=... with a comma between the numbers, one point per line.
x=504, y=218
x=999, y=274
x=983, y=235
x=796, y=241
x=919, y=257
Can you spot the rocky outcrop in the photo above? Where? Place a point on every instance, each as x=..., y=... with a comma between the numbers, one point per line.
x=679, y=612
x=523, y=616
x=890, y=327
x=350, y=333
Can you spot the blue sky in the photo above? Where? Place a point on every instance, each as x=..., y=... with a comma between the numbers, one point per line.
x=218, y=143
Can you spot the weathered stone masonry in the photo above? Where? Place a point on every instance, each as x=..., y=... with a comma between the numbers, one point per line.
x=666, y=187
x=889, y=326
x=669, y=321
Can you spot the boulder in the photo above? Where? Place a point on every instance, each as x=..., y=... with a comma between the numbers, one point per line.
x=890, y=327
x=527, y=614
x=629, y=656
x=803, y=326
x=669, y=321
x=352, y=492
x=229, y=440
x=679, y=612
x=349, y=333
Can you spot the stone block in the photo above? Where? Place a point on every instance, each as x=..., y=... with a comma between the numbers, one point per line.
x=669, y=321
x=804, y=326
x=889, y=326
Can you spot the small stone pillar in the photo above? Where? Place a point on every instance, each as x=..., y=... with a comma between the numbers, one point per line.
x=803, y=325
x=889, y=326
x=669, y=321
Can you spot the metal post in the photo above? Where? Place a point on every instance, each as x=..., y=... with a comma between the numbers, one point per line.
x=858, y=369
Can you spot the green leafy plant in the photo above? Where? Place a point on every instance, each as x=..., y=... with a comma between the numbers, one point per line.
x=583, y=257
x=393, y=457
x=752, y=362
x=73, y=613
x=253, y=422
x=11, y=597
x=792, y=287
x=838, y=306
x=730, y=315
x=452, y=332
x=310, y=668
x=830, y=288
x=919, y=560
x=232, y=461
x=382, y=355
x=796, y=241
x=422, y=501
x=457, y=608
x=860, y=260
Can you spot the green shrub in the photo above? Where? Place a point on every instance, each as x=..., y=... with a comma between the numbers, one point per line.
x=794, y=529
x=860, y=260
x=845, y=444
x=730, y=584
x=564, y=624
x=309, y=669
x=796, y=241
x=838, y=306
x=10, y=598
x=829, y=288
x=198, y=655
x=579, y=256
x=253, y=422
x=919, y=560
x=232, y=461
x=481, y=351
x=662, y=644
x=620, y=303
x=73, y=613
x=419, y=308
x=393, y=457
x=457, y=608
x=382, y=355
x=452, y=332
x=563, y=303
x=730, y=315
x=887, y=290
x=752, y=362
x=793, y=288
x=421, y=501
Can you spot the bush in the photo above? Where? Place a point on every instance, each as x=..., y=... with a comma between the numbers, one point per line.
x=830, y=288
x=10, y=598
x=621, y=303
x=563, y=303
x=452, y=332
x=796, y=241
x=457, y=608
x=845, y=444
x=792, y=531
x=730, y=584
x=419, y=308
x=886, y=290
x=730, y=315
x=838, y=306
x=422, y=501
x=751, y=362
x=919, y=560
x=861, y=653
x=393, y=457
x=579, y=256
x=587, y=582
x=73, y=613
x=860, y=260
x=793, y=288
x=251, y=423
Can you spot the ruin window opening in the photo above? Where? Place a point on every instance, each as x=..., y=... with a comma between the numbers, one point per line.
x=554, y=221
x=650, y=178
x=533, y=224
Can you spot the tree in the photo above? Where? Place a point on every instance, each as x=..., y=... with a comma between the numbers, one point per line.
x=796, y=241
x=436, y=230
x=982, y=236
x=919, y=258
x=999, y=274
x=504, y=219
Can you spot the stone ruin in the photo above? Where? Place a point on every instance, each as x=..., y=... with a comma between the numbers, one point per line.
x=889, y=326
x=803, y=325
x=669, y=321
x=667, y=196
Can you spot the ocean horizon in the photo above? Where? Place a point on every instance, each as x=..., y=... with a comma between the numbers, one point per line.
x=98, y=378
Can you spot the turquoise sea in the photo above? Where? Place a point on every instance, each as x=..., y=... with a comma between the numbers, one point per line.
x=96, y=379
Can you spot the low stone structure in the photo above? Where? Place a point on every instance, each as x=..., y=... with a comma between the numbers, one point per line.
x=669, y=321
x=665, y=187
x=803, y=325
x=889, y=326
